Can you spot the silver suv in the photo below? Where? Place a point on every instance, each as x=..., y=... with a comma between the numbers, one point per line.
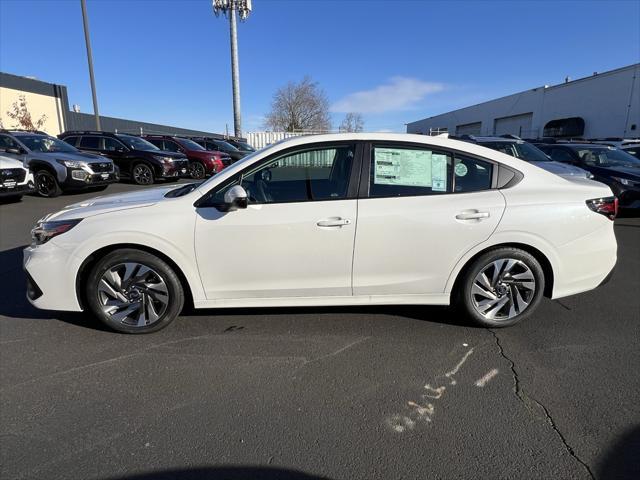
x=57, y=166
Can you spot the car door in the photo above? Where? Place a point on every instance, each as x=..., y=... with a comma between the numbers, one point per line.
x=116, y=151
x=295, y=238
x=420, y=210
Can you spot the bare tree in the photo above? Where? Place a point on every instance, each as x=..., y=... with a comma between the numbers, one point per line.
x=352, y=122
x=20, y=113
x=299, y=107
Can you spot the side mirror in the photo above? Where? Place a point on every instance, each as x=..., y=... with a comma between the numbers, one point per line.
x=14, y=150
x=235, y=198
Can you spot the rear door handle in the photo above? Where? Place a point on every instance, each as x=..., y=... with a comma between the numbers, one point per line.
x=472, y=215
x=333, y=222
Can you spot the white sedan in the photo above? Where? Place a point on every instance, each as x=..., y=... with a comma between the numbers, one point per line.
x=345, y=219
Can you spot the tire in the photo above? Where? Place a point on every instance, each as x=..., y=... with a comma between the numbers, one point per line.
x=47, y=184
x=197, y=170
x=508, y=292
x=143, y=292
x=142, y=174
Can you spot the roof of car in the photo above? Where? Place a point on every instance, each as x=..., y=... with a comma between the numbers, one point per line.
x=17, y=133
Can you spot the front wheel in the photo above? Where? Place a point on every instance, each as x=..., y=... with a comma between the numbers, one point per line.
x=197, y=170
x=501, y=288
x=47, y=184
x=133, y=291
x=142, y=174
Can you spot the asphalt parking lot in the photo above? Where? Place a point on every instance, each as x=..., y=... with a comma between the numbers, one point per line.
x=331, y=393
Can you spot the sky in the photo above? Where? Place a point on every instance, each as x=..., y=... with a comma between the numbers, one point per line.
x=394, y=61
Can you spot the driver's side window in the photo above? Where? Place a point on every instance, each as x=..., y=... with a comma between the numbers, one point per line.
x=307, y=175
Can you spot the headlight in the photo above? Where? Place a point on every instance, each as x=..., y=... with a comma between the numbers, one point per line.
x=45, y=231
x=72, y=163
x=625, y=181
x=163, y=159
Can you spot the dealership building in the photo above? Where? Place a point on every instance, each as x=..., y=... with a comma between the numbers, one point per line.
x=603, y=105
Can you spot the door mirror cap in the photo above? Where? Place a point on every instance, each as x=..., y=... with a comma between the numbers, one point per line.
x=236, y=197
x=14, y=150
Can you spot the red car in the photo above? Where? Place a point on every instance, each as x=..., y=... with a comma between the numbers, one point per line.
x=201, y=161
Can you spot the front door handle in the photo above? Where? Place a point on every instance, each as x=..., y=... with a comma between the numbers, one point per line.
x=333, y=222
x=472, y=215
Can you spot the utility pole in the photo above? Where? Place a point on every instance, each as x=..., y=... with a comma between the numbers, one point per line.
x=87, y=40
x=231, y=8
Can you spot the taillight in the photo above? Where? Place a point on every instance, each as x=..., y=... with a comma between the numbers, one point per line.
x=607, y=206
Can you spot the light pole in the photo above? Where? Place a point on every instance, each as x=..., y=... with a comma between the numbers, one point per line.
x=87, y=40
x=229, y=8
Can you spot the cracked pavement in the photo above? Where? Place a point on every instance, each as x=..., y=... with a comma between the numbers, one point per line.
x=316, y=393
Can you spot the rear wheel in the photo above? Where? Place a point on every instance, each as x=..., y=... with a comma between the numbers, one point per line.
x=47, y=184
x=501, y=288
x=133, y=291
x=142, y=174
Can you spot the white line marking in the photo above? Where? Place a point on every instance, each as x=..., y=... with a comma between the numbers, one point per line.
x=487, y=378
x=457, y=367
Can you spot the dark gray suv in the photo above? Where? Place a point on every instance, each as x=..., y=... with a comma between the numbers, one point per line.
x=57, y=166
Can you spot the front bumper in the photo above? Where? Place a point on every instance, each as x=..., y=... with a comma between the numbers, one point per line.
x=17, y=189
x=176, y=169
x=78, y=178
x=51, y=277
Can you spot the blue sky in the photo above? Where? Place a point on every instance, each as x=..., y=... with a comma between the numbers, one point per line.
x=395, y=61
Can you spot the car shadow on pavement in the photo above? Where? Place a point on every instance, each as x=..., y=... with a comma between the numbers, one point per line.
x=622, y=459
x=223, y=473
x=14, y=303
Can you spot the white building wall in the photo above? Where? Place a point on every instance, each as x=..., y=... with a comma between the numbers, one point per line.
x=608, y=102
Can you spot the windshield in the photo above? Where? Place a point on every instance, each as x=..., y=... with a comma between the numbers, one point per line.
x=524, y=151
x=226, y=146
x=137, y=143
x=190, y=144
x=245, y=146
x=606, y=157
x=40, y=143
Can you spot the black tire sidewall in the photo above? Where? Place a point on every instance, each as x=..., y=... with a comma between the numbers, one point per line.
x=464, y=299
x=142, y=164
x=204, y=170
x=56, y=189
x=176, y=293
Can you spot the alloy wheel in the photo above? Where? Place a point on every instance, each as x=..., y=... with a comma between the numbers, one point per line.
x=133, y=294
x=503, y=289
x=45, y=183
x=142, y=175
x=197, y=170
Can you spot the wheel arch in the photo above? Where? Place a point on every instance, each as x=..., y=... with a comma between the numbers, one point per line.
x=547, y=268
x=93, y=258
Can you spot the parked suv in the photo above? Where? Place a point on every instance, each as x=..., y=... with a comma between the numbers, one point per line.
x=215, y=144
x=201, y=162
x=612, y=166
x=57, y=166
x=518, y=148
x=15, y=179
x=137, y=159
x=242, y=146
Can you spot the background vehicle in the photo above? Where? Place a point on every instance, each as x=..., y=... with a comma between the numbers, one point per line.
x=57, y=166
x=514, y=146
x=213, y=144
x=632, y=149
x=609, y=165
x=437, y=221
x=15, y=179
x=242, y=146
x=137, y=159
x=201, y=162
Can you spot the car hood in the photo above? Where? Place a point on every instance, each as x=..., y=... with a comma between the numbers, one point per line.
x=112, y=203
x=80, y=156
x=628, y=172
x=562, y=169
x=6, y=162
x=165, y=153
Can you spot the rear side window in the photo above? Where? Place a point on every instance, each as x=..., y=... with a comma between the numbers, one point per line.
x=8, y=142
x=471, y=174
x=92, y=143
x=112, y=145
x=408, y=171
x=156, y=142
x=169, y=146
x=71, y=140
x=560, y=155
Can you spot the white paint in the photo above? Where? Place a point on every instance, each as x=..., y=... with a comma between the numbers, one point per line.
x=451, y=373
x=433, y=392
x=465, y=344
x=400, y=423
x=487, y=378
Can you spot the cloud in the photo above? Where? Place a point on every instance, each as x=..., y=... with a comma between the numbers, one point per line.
x=400, y=93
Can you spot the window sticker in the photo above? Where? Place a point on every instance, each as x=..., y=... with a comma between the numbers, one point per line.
x=438, y=172
x=461, y=170
x=403, y=167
